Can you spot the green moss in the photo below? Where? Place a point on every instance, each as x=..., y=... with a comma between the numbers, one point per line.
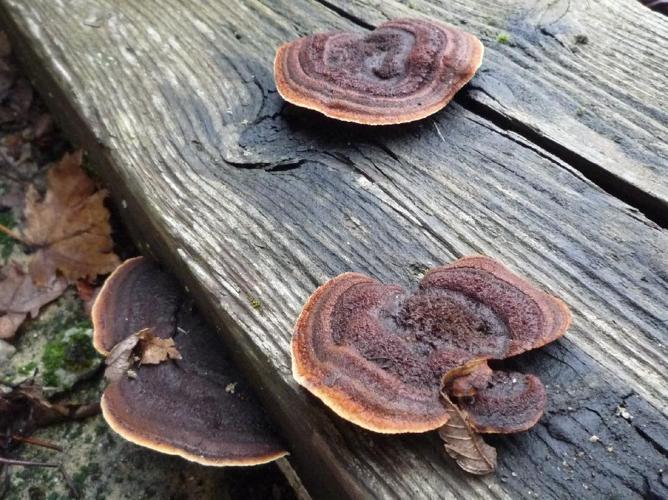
x=71, y=351
x=74, y=431
x=91, y=470
x=255, y=302
x=6, y=242
x=57, y=496
x=52, y=360
x=100, y=429
x=503, y=38
x=27, y=369
x=79, y=352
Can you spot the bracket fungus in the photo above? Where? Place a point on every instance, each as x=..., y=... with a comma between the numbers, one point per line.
x=181, y=405
x=404, y=70
x=379, y=356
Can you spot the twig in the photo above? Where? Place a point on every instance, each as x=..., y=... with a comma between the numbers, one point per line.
x=36, y=442
x=70, y=484
x=11, y=233
x=27, y=463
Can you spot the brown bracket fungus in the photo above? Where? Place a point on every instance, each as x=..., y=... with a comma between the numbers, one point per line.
x=195, y=404
x=404, y=70
x=379, y=356
x=494, y=401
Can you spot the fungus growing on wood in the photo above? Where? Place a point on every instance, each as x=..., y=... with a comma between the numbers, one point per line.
x=494, y=401
x=182, y=405
x=657, y=5
x=377, y=354
x=404, y=70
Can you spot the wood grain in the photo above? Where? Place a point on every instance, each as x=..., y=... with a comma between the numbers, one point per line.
x=584, y=79
x=254, y=201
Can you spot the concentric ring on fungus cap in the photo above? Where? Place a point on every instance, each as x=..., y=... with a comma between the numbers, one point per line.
x=197, y=407
x=376, y=354
x=404, y=70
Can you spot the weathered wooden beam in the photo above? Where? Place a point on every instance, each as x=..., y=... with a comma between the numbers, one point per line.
x=247, y=198
x=585, y=80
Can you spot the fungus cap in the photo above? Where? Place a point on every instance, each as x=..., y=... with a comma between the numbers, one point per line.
x=402, y=71
x=196, y=407
x=135, y=296
x=376, y=354
x=494, y=401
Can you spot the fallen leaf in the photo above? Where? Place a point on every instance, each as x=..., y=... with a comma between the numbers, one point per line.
x=465, y=445
x=17, y=102
x=142, y=347
x=19, y=296
x=120, y=358
x=13, y=198
x=10, y=323
x=154, y=349
x=87, y=294
x=42, y=126
x=69, y=227
x=25, y=407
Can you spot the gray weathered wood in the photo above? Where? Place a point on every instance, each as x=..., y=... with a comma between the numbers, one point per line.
x=585, y=79
x=249, y=198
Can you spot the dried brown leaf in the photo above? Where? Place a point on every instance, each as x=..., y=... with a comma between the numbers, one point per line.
x=19, y=296
x=464, y=444
x=120, y=358
x=155, y=350
x=13, y=198
x=142, y=347
x=69, y=226
x=87, y=294
x=25, y=407
x=10, y=323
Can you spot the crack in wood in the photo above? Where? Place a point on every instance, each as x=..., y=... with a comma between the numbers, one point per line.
x=652, y=207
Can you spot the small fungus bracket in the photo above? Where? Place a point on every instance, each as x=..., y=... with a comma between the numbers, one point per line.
x=404, y=70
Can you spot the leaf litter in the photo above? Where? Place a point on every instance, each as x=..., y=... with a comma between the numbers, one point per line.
x=69, y=227
x=20, y=297
x=64, y=228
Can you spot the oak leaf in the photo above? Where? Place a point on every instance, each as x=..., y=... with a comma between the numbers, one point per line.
x=69, y=226
x=20, y=296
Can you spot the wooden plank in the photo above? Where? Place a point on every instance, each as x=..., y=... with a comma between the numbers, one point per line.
x=584, y=79
x=246, y=197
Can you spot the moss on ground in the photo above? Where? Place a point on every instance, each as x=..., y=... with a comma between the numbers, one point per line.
x=103, y=466
x=56, y=348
